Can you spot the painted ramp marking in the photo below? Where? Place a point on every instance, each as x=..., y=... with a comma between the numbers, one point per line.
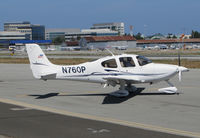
x=94, y=131
x=20, y=109
x=104, y=119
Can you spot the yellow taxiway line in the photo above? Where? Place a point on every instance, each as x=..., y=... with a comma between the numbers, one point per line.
x=104, y=119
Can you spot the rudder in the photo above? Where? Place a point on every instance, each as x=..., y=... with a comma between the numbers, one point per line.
x=39, y=63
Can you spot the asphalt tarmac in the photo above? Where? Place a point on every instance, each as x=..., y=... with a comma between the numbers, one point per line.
x=77, y=109
x=21, y=122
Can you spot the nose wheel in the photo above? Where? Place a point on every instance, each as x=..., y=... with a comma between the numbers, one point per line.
x=131, y=88
x=171, y=90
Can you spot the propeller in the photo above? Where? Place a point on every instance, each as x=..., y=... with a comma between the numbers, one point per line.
x=180, y=69
x=180, y=75
x=179, y=64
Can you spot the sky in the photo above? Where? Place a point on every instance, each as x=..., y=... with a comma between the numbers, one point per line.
x=146, y=16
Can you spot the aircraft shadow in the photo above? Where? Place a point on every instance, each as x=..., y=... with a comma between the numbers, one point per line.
x=48, y=95
x=109, y=99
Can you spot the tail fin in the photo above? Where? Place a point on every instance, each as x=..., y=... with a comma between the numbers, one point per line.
x=41, y=67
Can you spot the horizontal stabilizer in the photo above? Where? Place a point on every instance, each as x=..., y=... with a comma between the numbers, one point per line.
x=49, y=76
x=41, y=67
x=40, y=71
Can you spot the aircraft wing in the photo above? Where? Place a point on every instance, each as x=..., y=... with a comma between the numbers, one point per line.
x=134, y=79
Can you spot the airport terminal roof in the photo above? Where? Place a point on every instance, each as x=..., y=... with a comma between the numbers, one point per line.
x=109, y=38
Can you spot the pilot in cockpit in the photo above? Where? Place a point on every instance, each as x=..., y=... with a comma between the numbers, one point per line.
x=127, y=62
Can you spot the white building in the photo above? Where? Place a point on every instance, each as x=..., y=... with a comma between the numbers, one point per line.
x=14, y=26
x=7, y=35
x=119, y=27
x=100, y=32
x=22, y=27
x=35, y=32
x=90, y=32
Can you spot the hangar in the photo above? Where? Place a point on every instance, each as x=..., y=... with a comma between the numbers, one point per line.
x=109, y=41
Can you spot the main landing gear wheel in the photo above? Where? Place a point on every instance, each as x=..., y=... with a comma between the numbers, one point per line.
x=131, y=88
x=122, y=92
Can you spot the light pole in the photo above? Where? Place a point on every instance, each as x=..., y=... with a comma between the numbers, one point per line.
x=179, y=57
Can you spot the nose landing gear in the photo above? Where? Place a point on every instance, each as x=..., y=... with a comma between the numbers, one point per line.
x=170, y=90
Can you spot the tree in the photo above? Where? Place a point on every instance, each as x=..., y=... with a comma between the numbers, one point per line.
x=59, y=40
x=174, y=36
x=169, y=35
x=138, y=36
x=195, y=34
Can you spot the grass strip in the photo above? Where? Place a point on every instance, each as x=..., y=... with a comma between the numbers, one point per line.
x=184, y=62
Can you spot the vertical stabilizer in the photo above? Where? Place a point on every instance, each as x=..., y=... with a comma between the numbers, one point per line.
x=36, y=55
x=39, y=63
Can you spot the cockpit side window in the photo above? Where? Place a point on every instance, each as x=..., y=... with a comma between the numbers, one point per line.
x=126, y=62
x=143, y=60
x=111, y=63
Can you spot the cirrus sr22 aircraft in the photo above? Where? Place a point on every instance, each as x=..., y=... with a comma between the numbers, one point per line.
x=123, y=70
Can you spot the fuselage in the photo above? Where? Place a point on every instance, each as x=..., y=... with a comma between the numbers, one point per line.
x=124, y=65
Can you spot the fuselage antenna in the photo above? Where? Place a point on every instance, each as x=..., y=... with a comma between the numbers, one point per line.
x=110, y=52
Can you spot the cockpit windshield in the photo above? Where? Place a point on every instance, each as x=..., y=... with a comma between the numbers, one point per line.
x=143, y=60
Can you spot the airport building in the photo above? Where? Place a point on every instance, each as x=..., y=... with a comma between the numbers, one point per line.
x=8, y=35
x=119, y=27
x=15, y=26
x=74, y=34
x=88, y=33
x=100, y=32
x=51, y=34
x=35, y=32
x=38, y=32
x=23, y=27
x=111, y=41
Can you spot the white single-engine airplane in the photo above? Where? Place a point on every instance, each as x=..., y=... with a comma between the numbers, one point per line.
x=123, y=70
